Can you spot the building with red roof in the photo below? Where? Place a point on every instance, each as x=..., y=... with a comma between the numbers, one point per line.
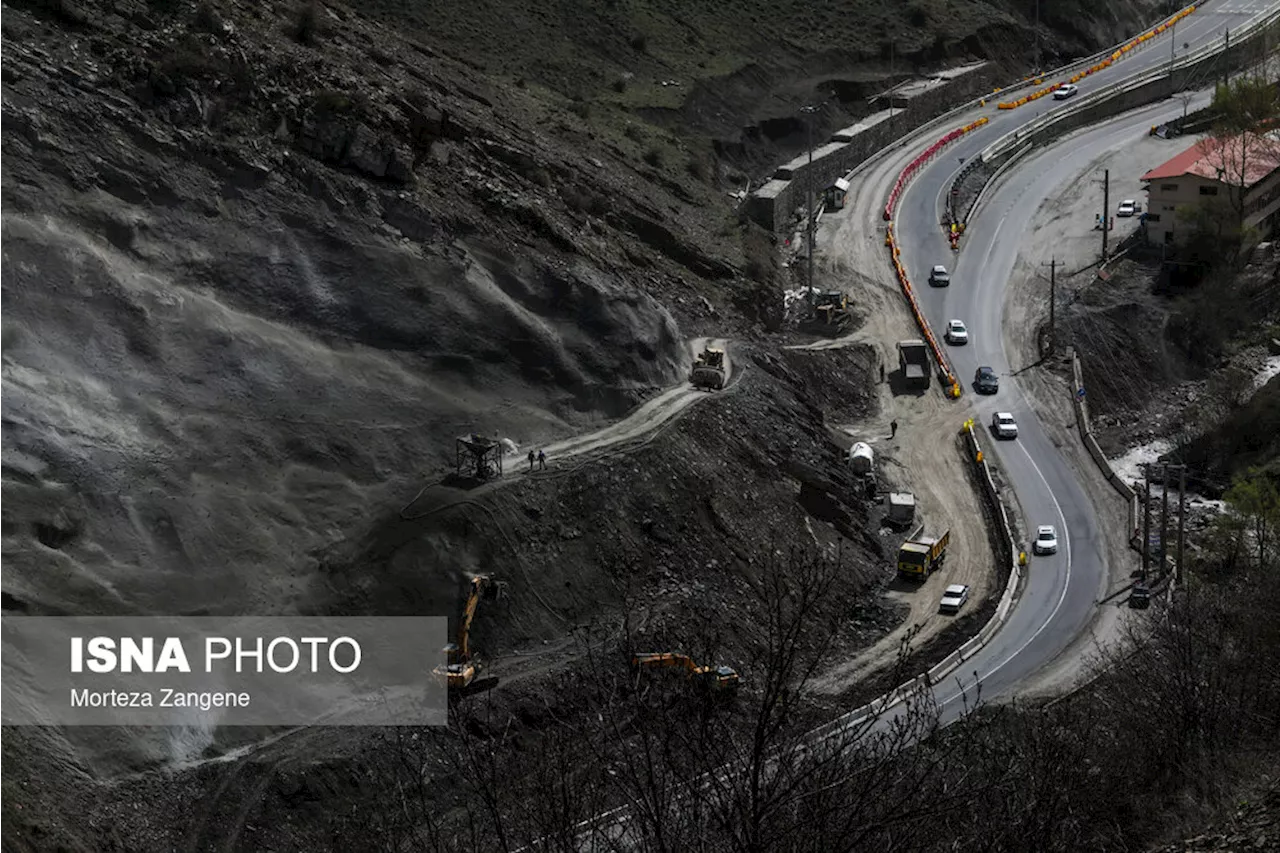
x=1244, y=171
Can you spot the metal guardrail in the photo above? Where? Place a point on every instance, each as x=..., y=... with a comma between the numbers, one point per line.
x=1194, y=58
x=974, y=644
x=991, y=181
x=980, y=101
x=1108, y=60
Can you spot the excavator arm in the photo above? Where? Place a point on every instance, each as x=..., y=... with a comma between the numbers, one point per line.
x=468, y=614
x=663, y=660
x=716, y=678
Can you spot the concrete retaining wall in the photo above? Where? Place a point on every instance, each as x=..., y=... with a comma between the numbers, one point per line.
x=1081, y=404
x=775, y=204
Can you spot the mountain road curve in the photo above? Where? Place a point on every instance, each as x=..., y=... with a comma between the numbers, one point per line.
x=1061, y=590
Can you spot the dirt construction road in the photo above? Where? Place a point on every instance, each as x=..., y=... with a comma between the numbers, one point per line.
x=925, y=457
x=650, y=416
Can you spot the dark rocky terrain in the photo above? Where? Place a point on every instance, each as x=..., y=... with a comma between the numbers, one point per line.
x=262, y=264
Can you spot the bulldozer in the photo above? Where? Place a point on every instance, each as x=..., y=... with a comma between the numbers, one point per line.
x=720, y=680
x=829, y=315
x=709, y=369
x=460, y=668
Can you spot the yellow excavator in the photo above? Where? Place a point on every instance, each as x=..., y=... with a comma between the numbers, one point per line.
x=716, y=679
x=460, y=669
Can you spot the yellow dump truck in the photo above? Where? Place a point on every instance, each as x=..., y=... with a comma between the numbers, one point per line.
x=918, y=558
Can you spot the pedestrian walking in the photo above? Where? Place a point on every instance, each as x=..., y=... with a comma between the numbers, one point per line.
x=893, y=428
x=530, y=460
x=542, y=460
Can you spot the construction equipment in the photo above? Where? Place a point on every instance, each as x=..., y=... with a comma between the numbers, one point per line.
x=902, y=509
x=913, y=361
x=830, y=314
x=478, y=457
x=709, y=369
x=919, y=558
x=460, y=669
x=715, y=679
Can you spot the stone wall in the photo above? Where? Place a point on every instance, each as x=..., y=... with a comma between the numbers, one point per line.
x=779, y=203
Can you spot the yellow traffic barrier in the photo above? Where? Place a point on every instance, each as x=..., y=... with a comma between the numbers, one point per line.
x=978, y=458
x=1022, y=558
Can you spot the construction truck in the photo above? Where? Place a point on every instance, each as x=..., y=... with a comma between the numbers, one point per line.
x=902, y=509
x=709, y=369
x=714, y=679
x=913, y=361
x=919, y=558
x=460, y=668
x=829, y=315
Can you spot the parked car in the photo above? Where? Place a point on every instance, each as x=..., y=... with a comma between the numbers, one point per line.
x=1065, y=91
x=985, y=381
x=1128, y=207
x=1046, y=540
x=939, y=277
x=957, y=332
x=954, y=597
x=1004, y=425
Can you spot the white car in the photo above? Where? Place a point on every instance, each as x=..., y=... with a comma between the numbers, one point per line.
x=1128, y=207
x=953, y=598
x=1065, y=91
x=1004, y=425
x=957, y=333
x=1046, y=540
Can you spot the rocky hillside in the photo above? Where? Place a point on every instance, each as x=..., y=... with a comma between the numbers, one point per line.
x=263, y=262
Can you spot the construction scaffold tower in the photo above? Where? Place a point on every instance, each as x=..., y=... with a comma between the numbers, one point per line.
x=478, y=457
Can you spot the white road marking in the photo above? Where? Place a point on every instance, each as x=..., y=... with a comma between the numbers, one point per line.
x=1066, y=538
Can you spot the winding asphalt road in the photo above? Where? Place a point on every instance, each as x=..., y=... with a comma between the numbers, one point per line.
x=1060, y=591
x=1059, y=594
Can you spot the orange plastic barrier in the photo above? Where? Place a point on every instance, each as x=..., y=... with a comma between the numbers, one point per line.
x=953, y=386
x=929, y=153
x=1106, y=63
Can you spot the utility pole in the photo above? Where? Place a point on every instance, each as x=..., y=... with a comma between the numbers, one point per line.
x=1182, y=517
x=1106, y=208
x=808, y=110
x=1146, y=520
x=1173, y=46
x=1226, y=52
x=1164, y=520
